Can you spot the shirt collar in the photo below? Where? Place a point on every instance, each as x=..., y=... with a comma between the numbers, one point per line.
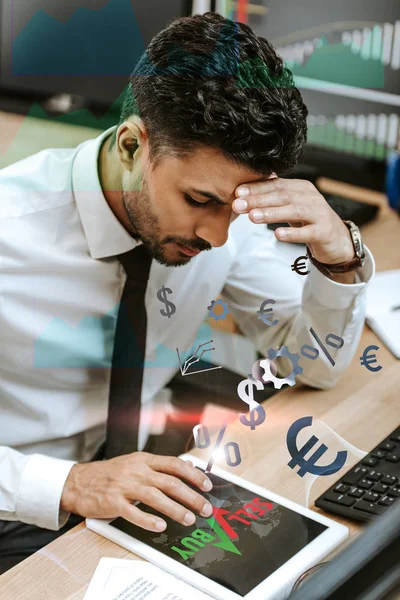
x=105, y=235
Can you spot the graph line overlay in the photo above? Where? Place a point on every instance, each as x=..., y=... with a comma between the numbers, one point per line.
x=187, y=364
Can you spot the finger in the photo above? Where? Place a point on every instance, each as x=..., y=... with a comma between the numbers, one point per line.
x=175, y=488
x=244, y=205
x=274, y=198
x=178, y=467
x=274, y=184
x=302, y=235
x=290, y=213
x=151, y=496
x=141, y=519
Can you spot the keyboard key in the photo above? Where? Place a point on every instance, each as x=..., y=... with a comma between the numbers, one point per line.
x=380, y=488
x=390, y=480
x=387, y=446
x=394, y=458
x=370, y=462
x=374, y=476
x=371, y=497
x=340, y=488
x=342, y=500
x=394, y=492
x=378, y=454
x=354, y=475
x=355, y=492
x=395, y=437
x=386, y=501
x=369, y=507
x=364, y=484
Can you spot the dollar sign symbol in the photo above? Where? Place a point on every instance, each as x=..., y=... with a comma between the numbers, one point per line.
x=246, y=393
x=170, y=307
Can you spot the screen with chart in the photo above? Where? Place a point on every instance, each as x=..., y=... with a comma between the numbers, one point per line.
x=346, y=60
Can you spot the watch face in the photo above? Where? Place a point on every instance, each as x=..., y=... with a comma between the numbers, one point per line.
x=356, y=237
x=357, y=243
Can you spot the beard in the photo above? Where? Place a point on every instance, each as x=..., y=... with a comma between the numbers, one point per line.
x=148, y=230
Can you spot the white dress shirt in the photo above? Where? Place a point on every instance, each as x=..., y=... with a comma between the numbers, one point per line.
x=60, y=285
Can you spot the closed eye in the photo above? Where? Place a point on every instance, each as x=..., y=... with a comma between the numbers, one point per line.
x=194, y=202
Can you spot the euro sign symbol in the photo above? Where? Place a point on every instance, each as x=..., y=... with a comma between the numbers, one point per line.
x=248, y=397
x=262, y=313
x=309, y=466
x=369, y=359
x=170, y=307
x=299, y=265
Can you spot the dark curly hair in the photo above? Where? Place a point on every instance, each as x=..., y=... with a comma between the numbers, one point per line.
x=209, y=81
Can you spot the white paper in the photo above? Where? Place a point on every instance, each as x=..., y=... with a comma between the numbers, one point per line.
x=383, y=308
x=383, y=293
x=118, y=579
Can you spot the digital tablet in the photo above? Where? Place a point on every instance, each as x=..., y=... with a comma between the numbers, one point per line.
x=254, y=546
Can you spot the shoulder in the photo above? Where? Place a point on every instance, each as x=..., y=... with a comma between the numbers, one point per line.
x=36, y=183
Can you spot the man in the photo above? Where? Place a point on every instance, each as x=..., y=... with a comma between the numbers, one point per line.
x=190, y=177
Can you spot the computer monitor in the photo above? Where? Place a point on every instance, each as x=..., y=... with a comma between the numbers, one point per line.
x=345, y=56
x=86, y=48
x=367, y=569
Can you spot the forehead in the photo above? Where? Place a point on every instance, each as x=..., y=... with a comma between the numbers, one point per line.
x=208, y=168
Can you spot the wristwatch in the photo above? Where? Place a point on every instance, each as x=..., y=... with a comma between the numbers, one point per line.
x=345, y=267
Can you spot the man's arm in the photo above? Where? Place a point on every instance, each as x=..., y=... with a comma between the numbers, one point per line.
x=263, y=271
x=44, y=491
x=31, y=488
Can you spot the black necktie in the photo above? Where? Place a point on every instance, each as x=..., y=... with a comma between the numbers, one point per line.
x=128, y=356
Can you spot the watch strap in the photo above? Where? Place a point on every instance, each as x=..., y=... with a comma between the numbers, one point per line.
x=327, y=270
x=348, y=266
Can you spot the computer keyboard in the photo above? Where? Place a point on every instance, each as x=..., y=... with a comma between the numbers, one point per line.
x=352, y=210
x=370, y=487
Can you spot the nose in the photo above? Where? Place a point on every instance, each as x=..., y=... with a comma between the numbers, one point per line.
x=214, y=228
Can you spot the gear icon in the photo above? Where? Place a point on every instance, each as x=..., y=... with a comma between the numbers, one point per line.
x=216, y=303
x=278, y=382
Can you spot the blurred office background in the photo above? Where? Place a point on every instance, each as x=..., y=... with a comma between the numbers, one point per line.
x=68, y=63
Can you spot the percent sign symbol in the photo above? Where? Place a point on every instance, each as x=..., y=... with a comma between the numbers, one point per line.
x=331, y=340
x=205, y=444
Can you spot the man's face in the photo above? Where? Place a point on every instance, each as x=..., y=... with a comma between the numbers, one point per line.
x=171, y=215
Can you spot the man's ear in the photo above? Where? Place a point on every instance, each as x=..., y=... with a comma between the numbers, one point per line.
x=131, y=135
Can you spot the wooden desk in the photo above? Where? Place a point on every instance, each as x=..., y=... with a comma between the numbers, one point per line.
x=363, y=408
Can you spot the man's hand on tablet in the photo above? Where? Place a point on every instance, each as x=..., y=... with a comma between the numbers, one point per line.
x=107, y=489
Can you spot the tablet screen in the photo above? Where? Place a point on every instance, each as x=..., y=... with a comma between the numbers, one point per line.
x=247, y=538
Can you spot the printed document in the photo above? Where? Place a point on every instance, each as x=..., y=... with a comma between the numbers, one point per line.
x=118, y=579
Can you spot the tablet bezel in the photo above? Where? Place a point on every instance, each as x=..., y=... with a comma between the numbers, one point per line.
x=274, y=587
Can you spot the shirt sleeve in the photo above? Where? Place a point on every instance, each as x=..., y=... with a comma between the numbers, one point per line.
x=31, y=487
x=262, y=270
